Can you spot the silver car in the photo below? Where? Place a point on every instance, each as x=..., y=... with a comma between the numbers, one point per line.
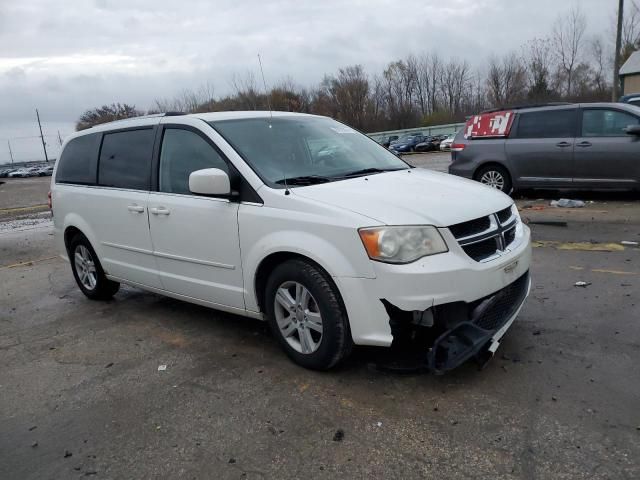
x=569, y=146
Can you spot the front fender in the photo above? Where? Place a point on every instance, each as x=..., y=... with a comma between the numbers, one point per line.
x=337, y=262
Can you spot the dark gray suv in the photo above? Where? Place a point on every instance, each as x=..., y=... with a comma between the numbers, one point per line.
x=570, y=146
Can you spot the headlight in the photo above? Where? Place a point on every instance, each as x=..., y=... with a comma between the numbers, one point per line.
x=402, y=244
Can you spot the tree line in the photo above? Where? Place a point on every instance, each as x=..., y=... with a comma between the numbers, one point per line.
x=426, y=89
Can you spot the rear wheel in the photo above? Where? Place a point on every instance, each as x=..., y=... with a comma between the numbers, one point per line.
x=306, y=315
x=495, y=176
x=88, y=272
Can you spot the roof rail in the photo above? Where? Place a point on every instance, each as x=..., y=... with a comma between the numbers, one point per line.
x=532, y=105
x=150, y=115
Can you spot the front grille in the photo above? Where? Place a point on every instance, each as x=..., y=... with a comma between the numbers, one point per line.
x=472, y=227
x=504, y=215
x=487, y=237
x=510, y=236
x=495, y=310
x=482, y=250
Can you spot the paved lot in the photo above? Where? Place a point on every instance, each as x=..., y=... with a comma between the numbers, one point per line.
x=81, y=394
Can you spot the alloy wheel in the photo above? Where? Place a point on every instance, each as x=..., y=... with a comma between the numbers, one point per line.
x=85, y=267
x=493, y=179
x=298, y=317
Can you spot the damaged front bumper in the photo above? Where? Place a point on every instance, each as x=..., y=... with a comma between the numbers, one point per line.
x=455, y=332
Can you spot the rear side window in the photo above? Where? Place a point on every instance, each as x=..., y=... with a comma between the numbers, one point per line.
x=184, y=152
x=125, y=159
x=77, y=163
x=606, y=123
x=549, y=124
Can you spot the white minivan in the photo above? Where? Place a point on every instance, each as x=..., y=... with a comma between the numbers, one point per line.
x=298, y=220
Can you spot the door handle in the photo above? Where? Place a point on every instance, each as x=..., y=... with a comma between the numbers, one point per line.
x=135, y=208
x=563, y=144
x=583, y=144
x=159, y=211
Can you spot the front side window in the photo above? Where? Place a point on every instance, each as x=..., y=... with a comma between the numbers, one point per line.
x=125, y=159
x=606, y=123
x=184, y=152
x=77, y=163
x=547, y=124
x=307, y=149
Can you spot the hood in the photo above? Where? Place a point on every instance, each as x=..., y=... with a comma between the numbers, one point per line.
x=410, y=197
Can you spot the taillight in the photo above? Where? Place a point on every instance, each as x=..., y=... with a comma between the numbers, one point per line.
x=49, y=202
x=457, y=147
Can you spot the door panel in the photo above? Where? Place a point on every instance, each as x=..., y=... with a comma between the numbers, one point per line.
x=195, y=238
x=122, y=222
x=122, y=226
x=541, y=161
x=605, y=156
x=196, y=245
x=540, y=152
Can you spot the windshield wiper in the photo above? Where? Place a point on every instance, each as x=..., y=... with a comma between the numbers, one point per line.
x=366, y=171
x=305, y=180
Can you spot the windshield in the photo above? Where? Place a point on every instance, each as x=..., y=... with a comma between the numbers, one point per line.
x=305, y=147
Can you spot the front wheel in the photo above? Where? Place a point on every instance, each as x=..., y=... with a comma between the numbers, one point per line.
x=306, y=315
x=495, y=176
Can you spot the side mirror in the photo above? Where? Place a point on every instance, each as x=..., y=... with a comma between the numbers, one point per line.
x=209, y=181
x=633, y=130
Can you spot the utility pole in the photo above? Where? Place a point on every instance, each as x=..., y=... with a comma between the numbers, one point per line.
x=10, y=152
x=59, y=138
x=616, y=62
x=44, y=146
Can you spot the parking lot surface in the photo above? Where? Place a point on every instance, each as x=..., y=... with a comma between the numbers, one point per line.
x=81, y=393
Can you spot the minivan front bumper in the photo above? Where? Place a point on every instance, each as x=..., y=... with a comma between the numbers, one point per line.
x=437, y=292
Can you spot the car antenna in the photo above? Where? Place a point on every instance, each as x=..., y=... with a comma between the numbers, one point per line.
x=266, y=92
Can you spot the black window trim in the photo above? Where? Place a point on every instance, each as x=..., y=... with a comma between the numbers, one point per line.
x=120, y=130
x=513, y=134
x=96, y=152
x=602, y=107
x=237, y=180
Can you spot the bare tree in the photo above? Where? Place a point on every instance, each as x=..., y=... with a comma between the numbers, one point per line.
x=247, y=92
x=567, y=36
x=399, y=91
x=539, y=63
x=601, y=64
x=187, y=100
x=630, y=31
x=506, y=80
x=428, y=75
x=454, y=80
x=106, y=113
x=349, y=91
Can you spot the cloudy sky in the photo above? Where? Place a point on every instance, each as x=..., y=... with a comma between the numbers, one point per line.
x=67, y=56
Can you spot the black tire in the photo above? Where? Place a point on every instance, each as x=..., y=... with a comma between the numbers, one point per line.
x=496, y=170
x=104, y=288
x=336, y=343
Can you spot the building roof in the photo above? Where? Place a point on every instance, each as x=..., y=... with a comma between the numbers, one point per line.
x=632, y=65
